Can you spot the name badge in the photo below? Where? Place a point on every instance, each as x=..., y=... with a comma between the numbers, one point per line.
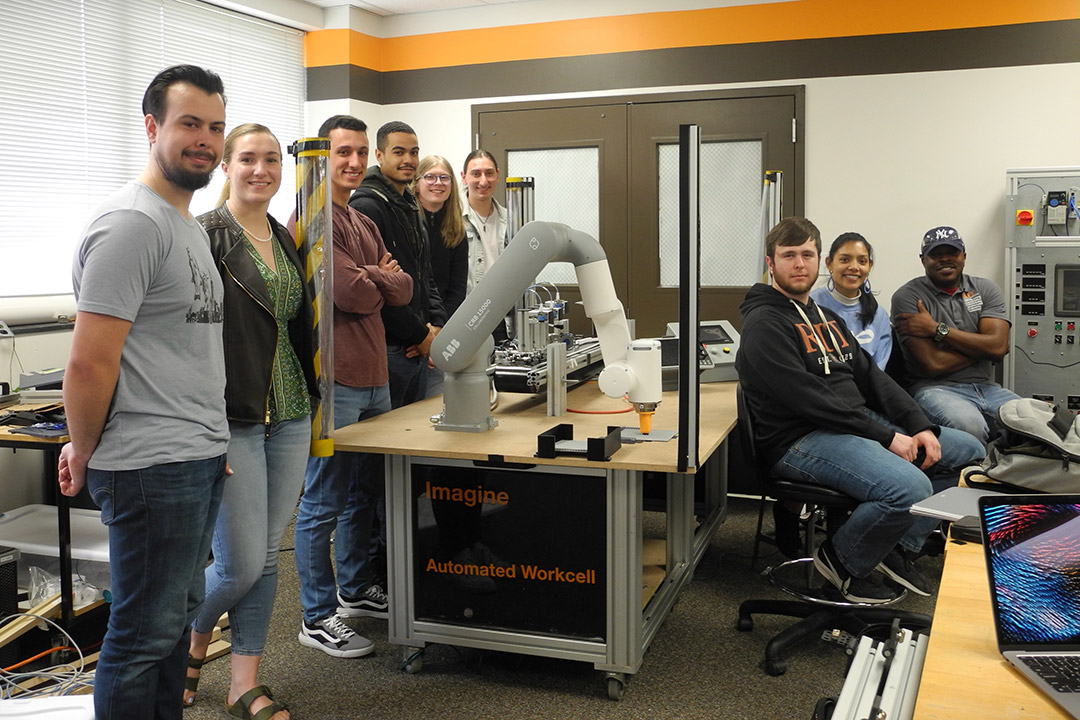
x=973, y=302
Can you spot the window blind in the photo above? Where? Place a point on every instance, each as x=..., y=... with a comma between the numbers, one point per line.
x=73, y=77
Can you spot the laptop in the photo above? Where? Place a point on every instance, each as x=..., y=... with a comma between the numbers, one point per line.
x=1032, y=545
x=952, y=504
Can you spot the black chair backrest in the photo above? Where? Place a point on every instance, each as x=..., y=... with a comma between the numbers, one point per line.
x=895, y=367
x=746, y=429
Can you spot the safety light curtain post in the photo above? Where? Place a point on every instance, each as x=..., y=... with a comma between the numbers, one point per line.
x=314, y=233
x=771, y=209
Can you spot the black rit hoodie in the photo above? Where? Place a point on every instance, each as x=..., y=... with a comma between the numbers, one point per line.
x=798, y=377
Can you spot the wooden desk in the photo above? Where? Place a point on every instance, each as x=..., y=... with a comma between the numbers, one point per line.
x=51, y=449
x=964, y=676
x=406, y=437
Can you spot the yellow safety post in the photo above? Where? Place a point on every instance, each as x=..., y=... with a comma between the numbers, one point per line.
x=314, y=225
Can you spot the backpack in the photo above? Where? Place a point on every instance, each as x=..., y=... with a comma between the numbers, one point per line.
x=1038, y=449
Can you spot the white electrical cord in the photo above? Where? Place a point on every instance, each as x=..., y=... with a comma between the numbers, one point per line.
x=65, y=678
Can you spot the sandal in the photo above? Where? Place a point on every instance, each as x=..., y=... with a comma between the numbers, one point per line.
x=242, y=707
x=191, y=684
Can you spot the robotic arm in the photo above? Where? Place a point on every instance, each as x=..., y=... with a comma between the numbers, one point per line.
x=463, y=346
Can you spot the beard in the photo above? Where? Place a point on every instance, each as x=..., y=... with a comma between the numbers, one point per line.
x=189, y=180
x=795, y=288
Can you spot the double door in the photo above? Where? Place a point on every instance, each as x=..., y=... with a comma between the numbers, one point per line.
x=609, y=167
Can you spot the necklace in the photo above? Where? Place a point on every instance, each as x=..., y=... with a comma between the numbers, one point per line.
x=252, y=235
x=484, y=220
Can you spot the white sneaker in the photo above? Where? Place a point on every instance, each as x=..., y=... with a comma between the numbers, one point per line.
x=334, y=637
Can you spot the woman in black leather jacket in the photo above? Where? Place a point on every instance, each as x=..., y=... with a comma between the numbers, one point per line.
x=270, y=383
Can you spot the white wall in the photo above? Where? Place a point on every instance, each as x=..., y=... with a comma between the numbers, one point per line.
x=892, y=156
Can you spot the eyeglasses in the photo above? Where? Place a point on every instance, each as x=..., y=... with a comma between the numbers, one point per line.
x=436, y=179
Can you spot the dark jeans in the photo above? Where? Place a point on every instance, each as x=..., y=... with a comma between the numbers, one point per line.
x=408, y=376
x=160, y=521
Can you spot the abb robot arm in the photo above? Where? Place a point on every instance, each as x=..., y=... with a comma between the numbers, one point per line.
x=463, y=346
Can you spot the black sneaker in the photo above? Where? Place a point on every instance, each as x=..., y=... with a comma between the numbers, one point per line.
x=899, y=568
x=335, y=638
x=373, y=602
x=854, y=589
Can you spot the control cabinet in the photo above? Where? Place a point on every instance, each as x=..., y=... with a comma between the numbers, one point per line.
x=1042, y=280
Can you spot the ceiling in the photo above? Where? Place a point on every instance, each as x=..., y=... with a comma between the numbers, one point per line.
x=405, y=7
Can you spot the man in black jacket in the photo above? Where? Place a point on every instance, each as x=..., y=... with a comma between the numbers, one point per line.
x=384, y=196
x=825, y=413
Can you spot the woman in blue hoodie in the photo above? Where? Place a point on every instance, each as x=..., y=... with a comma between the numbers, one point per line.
x=850, y=260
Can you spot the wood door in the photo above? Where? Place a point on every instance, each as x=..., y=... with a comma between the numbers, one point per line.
x=578, y=156
x=741, y=139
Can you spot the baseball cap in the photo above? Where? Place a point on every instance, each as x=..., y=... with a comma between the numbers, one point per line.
x=943, y=235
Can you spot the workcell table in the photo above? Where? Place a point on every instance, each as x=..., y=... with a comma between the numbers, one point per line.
x=560, y=570
x=964, y=675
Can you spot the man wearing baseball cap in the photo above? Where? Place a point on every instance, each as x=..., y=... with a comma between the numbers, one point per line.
x=953, y=328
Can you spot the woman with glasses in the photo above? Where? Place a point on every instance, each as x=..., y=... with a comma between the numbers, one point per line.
x=270, y=383
x=436, y=192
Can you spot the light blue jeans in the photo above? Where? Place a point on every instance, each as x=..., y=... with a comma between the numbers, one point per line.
x=340, y=493
x=160, y=522
x=258, y=503
x=971, y=407
x=885, y=485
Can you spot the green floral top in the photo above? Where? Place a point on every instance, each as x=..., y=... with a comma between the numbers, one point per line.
x=288, y=391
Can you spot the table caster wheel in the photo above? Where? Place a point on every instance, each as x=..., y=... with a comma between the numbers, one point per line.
x=616, y=686
x=744, y=624
x=414, y=660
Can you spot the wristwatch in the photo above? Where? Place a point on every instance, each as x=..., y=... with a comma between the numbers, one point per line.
x=941, y=333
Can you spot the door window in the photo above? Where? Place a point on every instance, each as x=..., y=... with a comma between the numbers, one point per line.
x=566, y=190
x=730, y=207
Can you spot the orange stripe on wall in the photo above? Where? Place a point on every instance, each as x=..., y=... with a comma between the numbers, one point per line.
x=779, y=21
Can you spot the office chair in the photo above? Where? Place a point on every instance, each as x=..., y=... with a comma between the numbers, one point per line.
x=819, y=606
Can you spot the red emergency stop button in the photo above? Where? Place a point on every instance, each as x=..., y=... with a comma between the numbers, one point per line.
x=1024, y=217
x=1032, y=332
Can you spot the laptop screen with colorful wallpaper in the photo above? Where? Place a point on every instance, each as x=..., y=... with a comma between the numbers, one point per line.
x=1033, y=557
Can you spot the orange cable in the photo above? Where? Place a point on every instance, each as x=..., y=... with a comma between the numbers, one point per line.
x=41, y=654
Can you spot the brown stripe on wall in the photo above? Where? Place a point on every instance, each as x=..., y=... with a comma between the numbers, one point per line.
x=336, y=82
x=1000, y=46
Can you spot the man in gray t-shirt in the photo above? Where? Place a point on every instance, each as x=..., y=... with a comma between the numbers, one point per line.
x=952, y=328
x=144, y=394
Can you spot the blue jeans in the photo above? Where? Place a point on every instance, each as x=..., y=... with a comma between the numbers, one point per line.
x=160, y=522
x=340, y=493
x=408, y=376
x=258, y=503
x=885, y=485
x=971, y=407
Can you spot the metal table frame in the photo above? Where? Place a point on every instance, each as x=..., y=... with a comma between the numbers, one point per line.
x=630, y=629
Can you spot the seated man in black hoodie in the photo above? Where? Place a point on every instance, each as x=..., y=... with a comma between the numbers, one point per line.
x=825, y=413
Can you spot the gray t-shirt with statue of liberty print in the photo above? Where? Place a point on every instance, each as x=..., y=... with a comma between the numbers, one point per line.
x=140, y=260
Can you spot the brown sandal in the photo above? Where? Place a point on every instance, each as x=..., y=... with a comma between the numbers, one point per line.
x=191, y=684
x=242, y=707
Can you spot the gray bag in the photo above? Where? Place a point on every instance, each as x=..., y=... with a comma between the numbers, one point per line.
x=1039, y=449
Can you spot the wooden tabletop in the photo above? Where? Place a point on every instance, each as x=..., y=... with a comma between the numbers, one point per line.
x=409, y=431
x=964, y=675
x=9, y=438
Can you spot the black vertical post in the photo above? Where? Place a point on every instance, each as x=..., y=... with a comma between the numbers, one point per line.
x=689, y=289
